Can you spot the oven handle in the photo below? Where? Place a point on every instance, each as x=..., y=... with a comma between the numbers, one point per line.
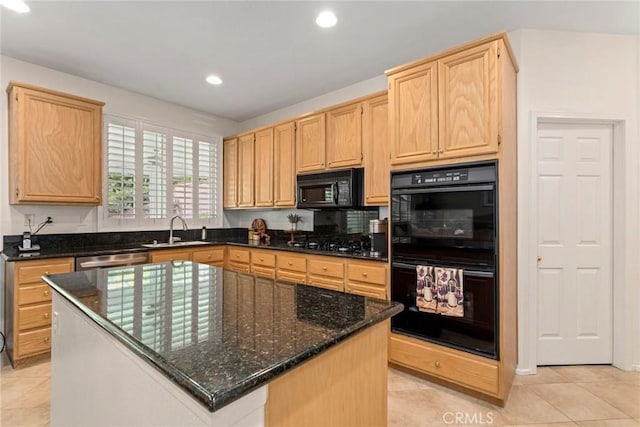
x=488, y=187
x=334, y=187
x=472, y=273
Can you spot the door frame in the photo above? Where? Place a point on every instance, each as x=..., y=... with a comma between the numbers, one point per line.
x=625, y=189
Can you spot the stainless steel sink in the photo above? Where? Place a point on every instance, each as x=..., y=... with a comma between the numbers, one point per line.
x=174, y=244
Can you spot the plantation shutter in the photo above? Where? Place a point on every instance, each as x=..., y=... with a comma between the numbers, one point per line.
x=154, y=165
x=182, y=177
x=121, y=171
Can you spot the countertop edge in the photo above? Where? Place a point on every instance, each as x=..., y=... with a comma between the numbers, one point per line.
x=216, y=401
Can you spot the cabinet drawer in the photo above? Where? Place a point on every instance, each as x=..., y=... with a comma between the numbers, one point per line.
x=290, y=276
x=322, y=267
x=171, y=255
x=292, y=263
x=450, y=365
x=209, y=256
x=239, y=255
x=33, y=342
x=34, y=317
x=361, y=272
x=367, y=290
x=33, y=294
x=263, y=271
x=326, y=282
x=264, y=258
x=32, y=271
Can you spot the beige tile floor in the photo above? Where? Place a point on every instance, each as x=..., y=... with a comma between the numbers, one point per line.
x=589, y=396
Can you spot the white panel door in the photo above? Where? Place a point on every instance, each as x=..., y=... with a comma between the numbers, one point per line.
x=574, y=214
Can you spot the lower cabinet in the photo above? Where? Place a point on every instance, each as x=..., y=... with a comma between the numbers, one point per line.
x=28, y=307
x=212, y=256
x=209, y=255
x=291, y=267
x=326, y=272
x=367, y=278
x=263, y=263
x=238, y=259
x=471, y=371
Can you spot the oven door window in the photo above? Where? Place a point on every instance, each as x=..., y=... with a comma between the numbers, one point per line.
x=475, y=332
x=454, y=223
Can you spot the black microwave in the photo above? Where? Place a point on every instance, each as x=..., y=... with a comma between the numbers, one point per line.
x=336, y=189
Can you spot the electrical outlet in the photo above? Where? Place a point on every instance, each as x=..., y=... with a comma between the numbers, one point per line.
x=29, y=220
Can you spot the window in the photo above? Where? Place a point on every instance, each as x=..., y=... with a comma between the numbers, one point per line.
x=153, y=173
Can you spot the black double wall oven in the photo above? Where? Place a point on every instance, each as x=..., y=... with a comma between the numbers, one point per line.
x=446, y=218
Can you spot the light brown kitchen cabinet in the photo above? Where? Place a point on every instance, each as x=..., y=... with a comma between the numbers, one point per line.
x=367, y=278
x=291, y=267
x=375, y=137
x=230, y=171
x=28, y=308
x=344, y=136
x=263, y=263
x=264, y=177
x=246, y=170
x=468, y=101
x=238, y=259
x=49, y=132
x=212, y=256
x=311, y=143
x=325, y=272
x=413, y=115
x=170, y=255
x=447, y=106
x=284, y=160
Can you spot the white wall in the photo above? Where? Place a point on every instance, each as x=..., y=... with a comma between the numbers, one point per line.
x=70, y=219
x=356, y=90
x=579, y=75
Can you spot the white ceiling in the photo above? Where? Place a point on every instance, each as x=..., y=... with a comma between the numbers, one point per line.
x=269, y=54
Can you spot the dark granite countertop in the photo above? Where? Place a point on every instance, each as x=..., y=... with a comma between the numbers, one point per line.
x=60, y=251
x=216, y=333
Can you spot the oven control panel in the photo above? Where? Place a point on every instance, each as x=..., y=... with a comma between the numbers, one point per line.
x=438, y=177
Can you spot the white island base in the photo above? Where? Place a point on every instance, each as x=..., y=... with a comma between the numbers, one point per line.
x=97, y=381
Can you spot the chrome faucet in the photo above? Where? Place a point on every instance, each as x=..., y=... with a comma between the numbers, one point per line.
x=184, y=227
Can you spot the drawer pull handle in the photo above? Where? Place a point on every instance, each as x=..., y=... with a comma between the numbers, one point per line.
x=364, y=274
x=46, y=293
x=46, y=315
x=437, y=364
x=46, y=339
x=261, y=259
x=324, y=268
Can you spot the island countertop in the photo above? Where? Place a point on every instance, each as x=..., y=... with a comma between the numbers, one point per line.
x=216, y=333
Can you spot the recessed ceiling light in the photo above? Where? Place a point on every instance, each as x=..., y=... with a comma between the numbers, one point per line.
x=214, y=80
x=15, y=5
x=326, y=19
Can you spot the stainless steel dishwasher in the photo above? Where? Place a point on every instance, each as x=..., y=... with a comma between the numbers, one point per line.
x=115, y=260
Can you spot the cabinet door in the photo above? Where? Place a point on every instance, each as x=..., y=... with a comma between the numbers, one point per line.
x=344, y=136
x=264, y=167
x=49, y=132
x=375, y=135
x=245, y=170
x=284, y=160
x=310, y=143
x=230, y=168
x=468, y=102
x=170, y=255
x=413, y=114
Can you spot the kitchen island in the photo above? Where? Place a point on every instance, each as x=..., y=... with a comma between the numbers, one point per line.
x=188, y=344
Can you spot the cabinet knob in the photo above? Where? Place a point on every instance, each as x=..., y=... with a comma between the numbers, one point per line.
x=364, y=274
x=46, y=272
x=46, y=315
x=238, y=256
x=324, y=268
x=46, y=293
x=441, y=151
x=290, y=263
x=437, y=364
x=46, y=339
x=261, y=259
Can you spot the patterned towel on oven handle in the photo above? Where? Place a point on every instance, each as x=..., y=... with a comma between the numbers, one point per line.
x=426, y=295
x=450, y=291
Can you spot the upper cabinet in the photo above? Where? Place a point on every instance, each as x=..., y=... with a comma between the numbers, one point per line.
x=344, y=136
x=246, y=170
x=448, y=106
x=264, y=167
x=375, y=137
x=310, y=144
x=284, y=161
x=230, y=170
x=55, y=147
